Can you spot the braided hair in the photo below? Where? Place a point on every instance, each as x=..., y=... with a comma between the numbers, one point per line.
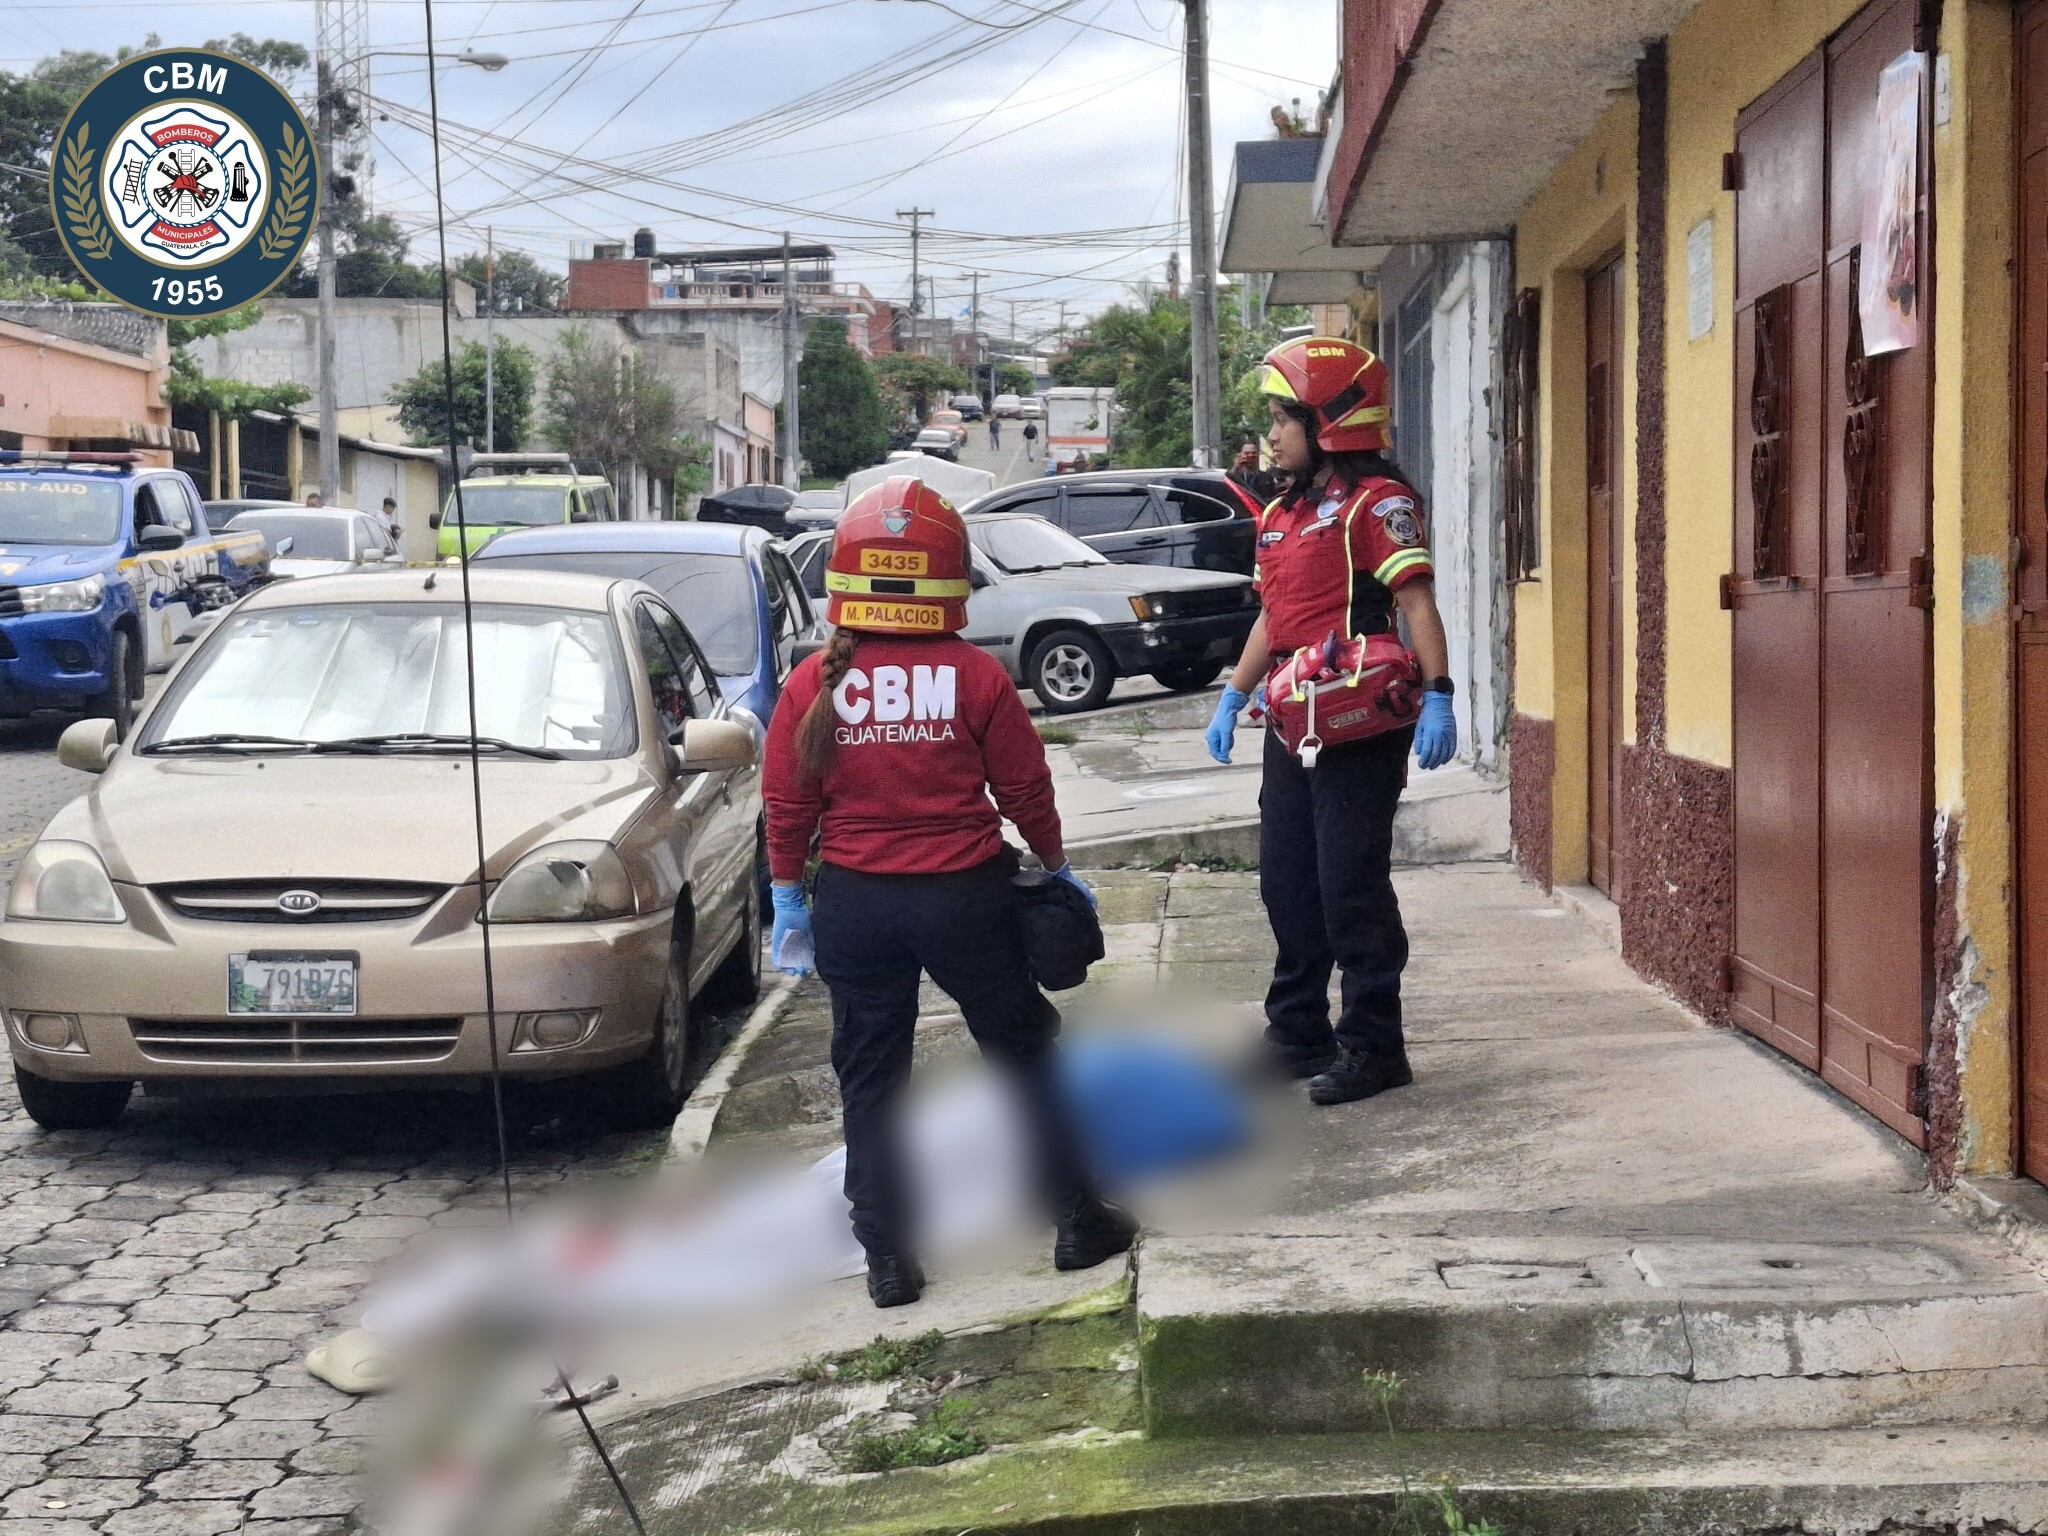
x=814, y=738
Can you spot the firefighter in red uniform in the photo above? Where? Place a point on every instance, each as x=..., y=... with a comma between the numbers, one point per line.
x=1340, y=552
x=888, y=747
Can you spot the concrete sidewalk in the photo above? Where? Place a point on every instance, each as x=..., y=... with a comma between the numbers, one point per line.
x=1636, y=1274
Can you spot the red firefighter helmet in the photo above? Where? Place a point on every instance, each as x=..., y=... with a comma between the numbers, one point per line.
x=1343, y=384
x=899, y=563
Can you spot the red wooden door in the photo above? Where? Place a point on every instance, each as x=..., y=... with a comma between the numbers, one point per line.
x=1603, y=571
x=1777, y=553
x=2032, y=615
x=1833, y=766
x=1876, y=690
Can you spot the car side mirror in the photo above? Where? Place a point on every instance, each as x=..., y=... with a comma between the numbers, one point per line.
x=978, y=578
x=709, y=745
x=159, y=536
x=87, y=745
x=284, y=545
x=433, y=519
x=804, y=647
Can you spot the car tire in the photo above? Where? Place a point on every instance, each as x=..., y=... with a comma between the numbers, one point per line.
x=737, y=981
x=117, y=703
x=1070, y=670
x=1190, y=677
x=59, y=1106
x=652, y=1090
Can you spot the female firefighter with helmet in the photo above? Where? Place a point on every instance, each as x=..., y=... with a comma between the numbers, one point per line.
x=888, y=747
x=1338, y=555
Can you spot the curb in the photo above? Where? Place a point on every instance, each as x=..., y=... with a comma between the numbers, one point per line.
x=1226, y=839
x=691, y=1132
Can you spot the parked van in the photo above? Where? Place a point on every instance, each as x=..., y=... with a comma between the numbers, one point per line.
x=522, y=490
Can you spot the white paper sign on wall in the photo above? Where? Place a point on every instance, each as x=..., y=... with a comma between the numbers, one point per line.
x=1699, y=279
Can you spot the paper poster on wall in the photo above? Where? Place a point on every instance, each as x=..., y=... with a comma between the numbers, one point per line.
x=1888, y=296
x=1699, y=279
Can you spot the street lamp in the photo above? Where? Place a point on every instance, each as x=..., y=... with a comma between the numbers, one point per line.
x=330, y=410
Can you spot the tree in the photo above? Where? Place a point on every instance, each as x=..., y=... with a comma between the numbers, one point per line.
x=1015, y=379
x=841, y=420
x=423, y=410
x=522, y=283
x=615, y=408
x=1143, y=351
x=917, y=378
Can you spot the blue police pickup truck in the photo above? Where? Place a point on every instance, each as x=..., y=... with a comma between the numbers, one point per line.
x=104, y=563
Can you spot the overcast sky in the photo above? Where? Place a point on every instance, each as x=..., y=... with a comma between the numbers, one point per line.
x=1020, y=120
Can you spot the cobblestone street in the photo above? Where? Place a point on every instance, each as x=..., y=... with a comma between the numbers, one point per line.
x=164, y=1279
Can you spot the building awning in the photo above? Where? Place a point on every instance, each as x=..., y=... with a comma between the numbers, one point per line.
x=1458, y=111
x=137, y=434
x=1269, y=225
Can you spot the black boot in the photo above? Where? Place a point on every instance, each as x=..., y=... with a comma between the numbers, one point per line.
x=894, y=1281
x=1091, y=1230
x=1358, y=1075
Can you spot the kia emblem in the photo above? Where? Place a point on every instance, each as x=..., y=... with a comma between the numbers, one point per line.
x=299, y=903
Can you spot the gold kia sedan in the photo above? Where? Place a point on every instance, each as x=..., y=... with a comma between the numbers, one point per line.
x=276, y=876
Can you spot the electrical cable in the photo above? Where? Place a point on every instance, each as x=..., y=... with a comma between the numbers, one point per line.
x=476, y=772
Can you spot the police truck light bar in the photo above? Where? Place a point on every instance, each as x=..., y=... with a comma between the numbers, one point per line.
x=55, y=456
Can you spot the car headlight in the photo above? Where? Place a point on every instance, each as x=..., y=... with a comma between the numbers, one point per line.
x=1151, y=606
x=59, y=881
x=80, y=596
x=564, y=883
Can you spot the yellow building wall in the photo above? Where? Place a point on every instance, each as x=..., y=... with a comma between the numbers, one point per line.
x=1973, y=445
x=1585, y=214
x=1722, y=57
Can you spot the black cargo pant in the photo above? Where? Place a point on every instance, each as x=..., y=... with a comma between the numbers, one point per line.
x=874, y=935
x=1326, y=840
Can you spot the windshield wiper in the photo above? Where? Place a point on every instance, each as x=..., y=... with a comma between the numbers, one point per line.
x=405, y=739
x=224, y=739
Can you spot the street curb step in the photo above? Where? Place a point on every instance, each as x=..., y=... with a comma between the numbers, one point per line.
x=1844, y=1483
x=1272, y=1335
x=1468, y=824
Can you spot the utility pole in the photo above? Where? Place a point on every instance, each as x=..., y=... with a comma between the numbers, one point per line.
x=1208, y=383
x=792, y=439
x=917, y=216
x=974, y=326
x=1063, y=325
x=490, y=340
x=330, y=411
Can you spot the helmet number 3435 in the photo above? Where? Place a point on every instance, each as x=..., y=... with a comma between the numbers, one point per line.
x=184, y=183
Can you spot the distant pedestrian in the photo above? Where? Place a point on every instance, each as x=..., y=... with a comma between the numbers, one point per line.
x=1031, y=440
x=995, y=433
x=390, y=512
x=313, y=499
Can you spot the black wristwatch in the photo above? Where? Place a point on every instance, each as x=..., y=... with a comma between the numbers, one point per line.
x=1441, y=685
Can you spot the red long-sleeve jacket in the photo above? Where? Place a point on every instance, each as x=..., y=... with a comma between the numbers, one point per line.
x=926, y=730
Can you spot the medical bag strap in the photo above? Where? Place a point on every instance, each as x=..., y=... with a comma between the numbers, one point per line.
x=1358, y=500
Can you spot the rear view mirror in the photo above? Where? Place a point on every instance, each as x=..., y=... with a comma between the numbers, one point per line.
x=87, y=745
x=158, y=536
x=807, y=646
x=708, y=745
x=977, y=578
x=433, y=519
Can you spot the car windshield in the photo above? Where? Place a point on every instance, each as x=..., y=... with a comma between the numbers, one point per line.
x=313, y=538
x=713, y=594
x=941, y=417
x=547, y=679
x=37, y=509
x=1030, y=544
x=510, y=506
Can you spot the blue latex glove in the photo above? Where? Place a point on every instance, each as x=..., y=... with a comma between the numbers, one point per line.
x=790, y=948
x=1222, y=732
x=1436, y=734
x=1066, y=872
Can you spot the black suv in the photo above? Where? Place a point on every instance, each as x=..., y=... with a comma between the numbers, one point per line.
x=1199, y=518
